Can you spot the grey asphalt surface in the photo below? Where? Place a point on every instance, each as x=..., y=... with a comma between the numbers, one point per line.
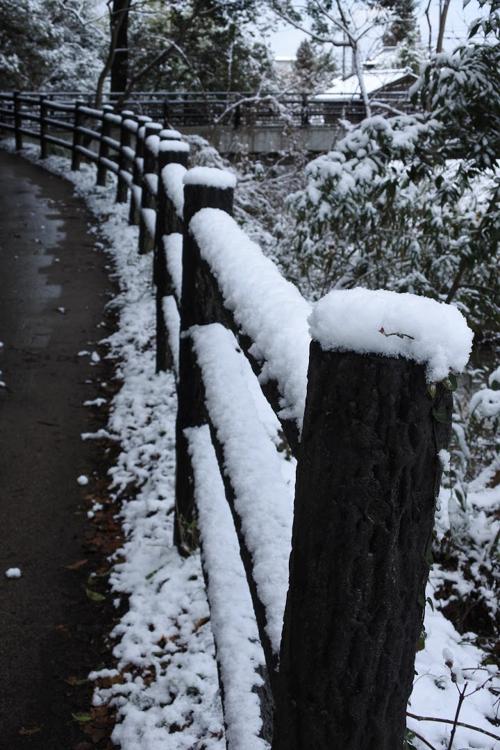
x=47, y=261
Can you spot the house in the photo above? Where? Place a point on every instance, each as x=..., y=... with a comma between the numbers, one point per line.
x=386, y=88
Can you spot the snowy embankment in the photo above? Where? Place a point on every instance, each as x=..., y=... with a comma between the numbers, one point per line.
x=165, y=682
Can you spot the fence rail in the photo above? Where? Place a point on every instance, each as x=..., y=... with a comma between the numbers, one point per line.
x=256, y=397
x=236, y=109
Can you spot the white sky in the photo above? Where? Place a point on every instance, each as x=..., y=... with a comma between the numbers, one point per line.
x=285, y=41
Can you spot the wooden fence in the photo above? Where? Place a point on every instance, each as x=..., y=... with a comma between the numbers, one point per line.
x=366, y=448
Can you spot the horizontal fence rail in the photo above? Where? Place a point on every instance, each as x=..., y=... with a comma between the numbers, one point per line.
x=316, y=586
x=238, y=109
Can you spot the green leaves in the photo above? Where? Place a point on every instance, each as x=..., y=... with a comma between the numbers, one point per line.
x=450, y=383
x=441, y=414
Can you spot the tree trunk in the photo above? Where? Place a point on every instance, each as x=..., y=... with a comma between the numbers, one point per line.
x=443, y=15
x=119, y=64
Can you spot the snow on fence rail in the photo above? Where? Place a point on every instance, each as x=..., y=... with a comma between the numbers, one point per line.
x=327, y=572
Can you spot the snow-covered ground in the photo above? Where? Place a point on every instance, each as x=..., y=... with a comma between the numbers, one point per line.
x=164, y=681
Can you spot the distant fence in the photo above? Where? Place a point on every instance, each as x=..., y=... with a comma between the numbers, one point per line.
x=360, y=427
x=242, y=109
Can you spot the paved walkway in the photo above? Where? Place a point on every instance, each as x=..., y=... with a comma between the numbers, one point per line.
x=53, y=288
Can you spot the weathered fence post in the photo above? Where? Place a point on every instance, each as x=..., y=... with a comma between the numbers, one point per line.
x=167, y=222
x=106, y=127
x=367, y=478
x=43, y=127
x=123, y=161
x=76, y=157
x=137, y=171
x=17, y=121
x=304, y=112
x=203, y=188
x=166, y=112
x=148, y=199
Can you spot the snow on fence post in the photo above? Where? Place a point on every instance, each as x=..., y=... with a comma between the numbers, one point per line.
x=137, y=171
x=106, y=128
x=148, y=198
x=204, y=187
x=123, y=160
x=17, y=121
x=367, y=478
x=172, y=151
x=43, y=126
x=76, y=157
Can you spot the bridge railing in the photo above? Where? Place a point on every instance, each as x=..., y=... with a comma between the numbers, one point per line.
x=326, y=572
x=240, y=109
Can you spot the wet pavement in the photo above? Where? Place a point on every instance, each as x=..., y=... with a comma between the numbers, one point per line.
x=53, y=288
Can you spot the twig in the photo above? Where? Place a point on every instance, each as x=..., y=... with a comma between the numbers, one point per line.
x=422, y=739
x=461, y=697
x=457, y=723
x=396, y=333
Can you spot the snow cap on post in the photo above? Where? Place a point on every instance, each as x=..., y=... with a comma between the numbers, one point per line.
x=211, y=177
x=169, y=144
x=391, y=324
x=207, y=187
x=169, y=134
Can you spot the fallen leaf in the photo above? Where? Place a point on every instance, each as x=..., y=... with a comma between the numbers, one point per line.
x=199, y=623
x=82, y=718
x=63, y=629
x=94, y=596
x=29, y=731
x=75, y=681
x=77, y=565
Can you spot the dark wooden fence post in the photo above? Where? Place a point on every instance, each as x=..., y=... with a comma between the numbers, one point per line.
x=167, y=222
x=43, y=127
x=106, y=128
x=166, y=112
x=148, y=200
x=76, y=157
x=137, y=170
x=123, y=161
x=17, y=121
x=190, y=411
x=304, y=112
x=367, y=477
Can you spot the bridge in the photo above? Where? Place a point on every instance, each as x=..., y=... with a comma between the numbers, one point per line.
x=237, y=122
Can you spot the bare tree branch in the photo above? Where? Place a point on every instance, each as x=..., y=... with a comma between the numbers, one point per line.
x=452, y=721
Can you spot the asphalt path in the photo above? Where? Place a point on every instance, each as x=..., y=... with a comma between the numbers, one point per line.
x=53, y=288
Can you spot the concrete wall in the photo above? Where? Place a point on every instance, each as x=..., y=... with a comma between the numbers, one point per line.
x=266, y=140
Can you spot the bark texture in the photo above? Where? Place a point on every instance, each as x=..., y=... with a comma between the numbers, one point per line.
x=367, y=478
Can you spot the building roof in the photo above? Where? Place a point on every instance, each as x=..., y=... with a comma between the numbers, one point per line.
x=375, y=79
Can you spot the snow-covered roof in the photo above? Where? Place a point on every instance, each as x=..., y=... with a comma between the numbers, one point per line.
x=348, y=88
x=385, y=59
